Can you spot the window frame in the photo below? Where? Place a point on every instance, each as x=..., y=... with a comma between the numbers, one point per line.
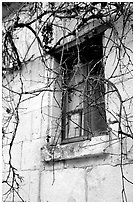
x=86, y=133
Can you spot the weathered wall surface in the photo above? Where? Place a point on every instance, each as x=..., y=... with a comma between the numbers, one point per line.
x=88, y=178
x=93, y=179
x=30, y=134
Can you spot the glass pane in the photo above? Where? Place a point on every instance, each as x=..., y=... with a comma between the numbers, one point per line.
x=98, y=118
x=76, y=89
x=74, y=125
x=95, y=115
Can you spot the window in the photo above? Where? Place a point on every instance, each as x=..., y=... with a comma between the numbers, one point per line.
x=83, y=105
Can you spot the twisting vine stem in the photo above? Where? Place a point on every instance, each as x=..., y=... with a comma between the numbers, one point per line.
x=45, y=21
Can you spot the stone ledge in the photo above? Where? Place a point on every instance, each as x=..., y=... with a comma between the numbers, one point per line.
x=97, y=145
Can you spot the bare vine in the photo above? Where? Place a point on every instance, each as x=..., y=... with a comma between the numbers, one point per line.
x=48, y=19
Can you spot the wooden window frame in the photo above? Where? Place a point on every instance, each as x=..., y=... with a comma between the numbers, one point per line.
x=87, y=134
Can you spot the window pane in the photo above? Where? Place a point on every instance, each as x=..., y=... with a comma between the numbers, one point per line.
x=95, y=116
x=98, y=118
x=75, y=89
x=74, y=125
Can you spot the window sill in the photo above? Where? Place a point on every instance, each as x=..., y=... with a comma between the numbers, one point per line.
x=97, y=145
